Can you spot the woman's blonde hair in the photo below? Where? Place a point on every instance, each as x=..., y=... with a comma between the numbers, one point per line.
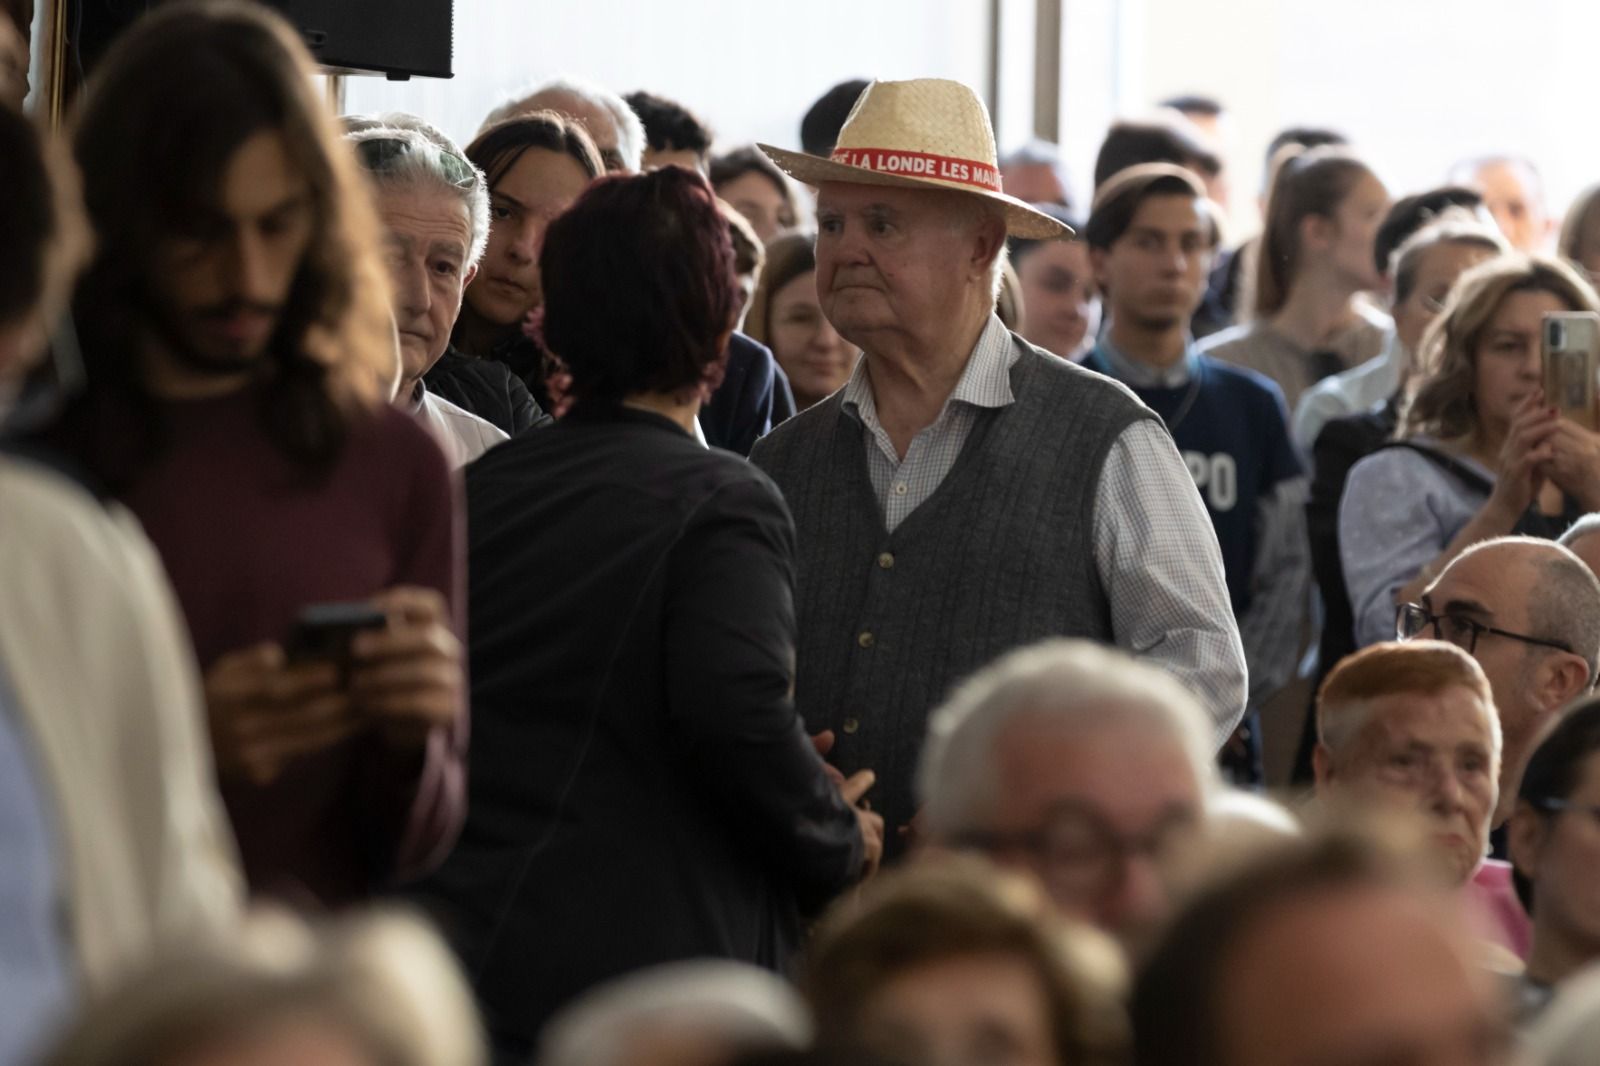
x=1445, y=406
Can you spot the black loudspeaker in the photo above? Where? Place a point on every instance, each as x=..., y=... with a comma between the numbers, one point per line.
x=396, y=38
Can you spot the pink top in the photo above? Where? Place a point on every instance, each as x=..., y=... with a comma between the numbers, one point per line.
x=1493, y=901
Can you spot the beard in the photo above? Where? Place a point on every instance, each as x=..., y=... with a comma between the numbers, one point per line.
x=177, y=331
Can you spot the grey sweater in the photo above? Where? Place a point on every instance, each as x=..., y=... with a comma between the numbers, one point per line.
x=999, y=556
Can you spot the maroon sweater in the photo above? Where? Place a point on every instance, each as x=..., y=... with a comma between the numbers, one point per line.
x=248, y=542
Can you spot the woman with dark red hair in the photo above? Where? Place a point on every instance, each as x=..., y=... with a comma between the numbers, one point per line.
x=641, y=787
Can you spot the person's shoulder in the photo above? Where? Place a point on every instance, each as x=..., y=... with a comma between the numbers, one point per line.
x=1227, y=340
x=467, y=425
x=53, y=524
x=1401, y=463
x=805, y=425
x=1243, y=380
x=1064, y=373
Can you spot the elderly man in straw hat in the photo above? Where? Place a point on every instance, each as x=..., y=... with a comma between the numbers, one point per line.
x=966, y=492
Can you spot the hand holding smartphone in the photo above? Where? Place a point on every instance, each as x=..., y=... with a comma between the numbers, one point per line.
x=323, y=632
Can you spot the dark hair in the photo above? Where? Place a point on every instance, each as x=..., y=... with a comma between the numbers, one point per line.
x=1019, y=248
x=1454, y=227
x=27, y=216
x=1410, y=213
x=733, y=165
x=1177, y=995
x=168, y=107
x=640, y=290
x=497, y=148
x=819, y=130
x=789, y=255
x=668, y=125
x=1306, y=137
x=1312, y=182
x=1194, y=104
x=1118, y=200
x=1555, y=770
x=1160, y=140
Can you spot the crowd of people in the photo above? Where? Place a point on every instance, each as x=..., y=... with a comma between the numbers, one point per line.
x=596, y=599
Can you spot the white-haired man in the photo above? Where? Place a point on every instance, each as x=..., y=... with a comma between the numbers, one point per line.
x=705, y=1012
x=435, y=206
x=610, y=122
x=965, y=492
x=1079, y=764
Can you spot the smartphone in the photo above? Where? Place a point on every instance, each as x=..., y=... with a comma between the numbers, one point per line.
x=323, y=631
x=1570, y=348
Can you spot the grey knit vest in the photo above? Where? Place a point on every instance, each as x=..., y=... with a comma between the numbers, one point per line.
x=999, y=556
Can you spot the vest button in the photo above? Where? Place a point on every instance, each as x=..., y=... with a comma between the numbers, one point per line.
x=850, y=725
x=866, y=639
x=885, y=561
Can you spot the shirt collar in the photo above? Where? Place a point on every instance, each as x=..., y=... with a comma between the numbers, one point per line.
x=1143, y=376
x=984, y=382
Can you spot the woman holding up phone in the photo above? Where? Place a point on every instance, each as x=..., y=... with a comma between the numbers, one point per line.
x=1481, y=452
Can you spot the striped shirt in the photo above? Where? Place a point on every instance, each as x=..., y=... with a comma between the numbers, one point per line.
x=1155, y=548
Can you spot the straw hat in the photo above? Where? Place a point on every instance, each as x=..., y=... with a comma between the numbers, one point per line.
x=923, y=134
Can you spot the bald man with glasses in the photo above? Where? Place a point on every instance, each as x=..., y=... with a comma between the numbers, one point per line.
x=1528, y=611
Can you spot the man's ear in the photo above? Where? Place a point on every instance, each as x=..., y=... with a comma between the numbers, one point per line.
x=466, y=279
x=1316, y=231
x=1322, y=766
x=1562, y=678
x=991, y=243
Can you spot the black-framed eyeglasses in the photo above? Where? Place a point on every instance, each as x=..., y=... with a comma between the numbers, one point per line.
x=1412, y=618
x=1551, y=805
x=1078, y=853
x=379, y=153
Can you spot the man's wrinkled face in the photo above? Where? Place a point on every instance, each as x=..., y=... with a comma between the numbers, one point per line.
x=1432, y=753
x=221, y=287
x=892, y=260
x=1103, y=815
x=429, y=240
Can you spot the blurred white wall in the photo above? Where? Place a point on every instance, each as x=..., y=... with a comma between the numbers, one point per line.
x=1417, y=84
x=749, y=69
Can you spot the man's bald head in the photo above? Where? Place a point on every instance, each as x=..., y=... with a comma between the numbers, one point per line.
x=1545, y=603
x=605, y=116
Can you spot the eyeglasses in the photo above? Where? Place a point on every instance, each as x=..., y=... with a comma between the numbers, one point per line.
x=1561, y=806
x=379, y=153
x=1412, y=618
x=1077, y=852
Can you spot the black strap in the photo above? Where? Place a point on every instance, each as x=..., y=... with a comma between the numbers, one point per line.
x=1448, y=463
x=1533, y=522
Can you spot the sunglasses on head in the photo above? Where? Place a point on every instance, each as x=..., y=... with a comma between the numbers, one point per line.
x=380, y=153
